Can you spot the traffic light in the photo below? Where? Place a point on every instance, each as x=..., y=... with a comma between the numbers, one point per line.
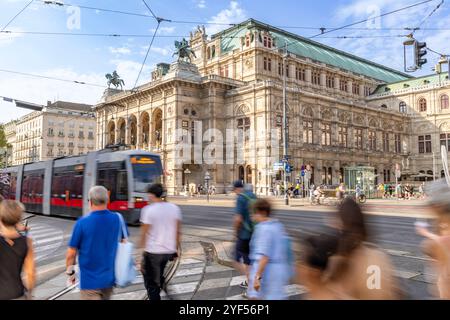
x=420, y=52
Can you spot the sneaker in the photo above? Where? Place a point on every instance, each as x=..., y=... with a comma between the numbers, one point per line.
x=244, y=284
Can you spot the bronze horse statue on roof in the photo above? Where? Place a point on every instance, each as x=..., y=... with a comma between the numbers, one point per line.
x=184, y=51
x=114, y=79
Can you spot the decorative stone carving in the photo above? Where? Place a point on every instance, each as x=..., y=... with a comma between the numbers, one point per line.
x=373, y=123
x=358, y=119
x=307, y=112
x=327, y=114
x=242, y=110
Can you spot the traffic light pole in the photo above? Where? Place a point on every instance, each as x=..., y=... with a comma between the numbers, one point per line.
x=285, y=128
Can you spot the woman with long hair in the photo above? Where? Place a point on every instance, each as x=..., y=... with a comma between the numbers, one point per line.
x=16, y=254
x=344, y=265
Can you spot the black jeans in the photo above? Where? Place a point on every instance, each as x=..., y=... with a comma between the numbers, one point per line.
x=153, y=272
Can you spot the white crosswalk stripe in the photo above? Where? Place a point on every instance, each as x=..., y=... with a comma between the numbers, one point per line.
x=46, y=239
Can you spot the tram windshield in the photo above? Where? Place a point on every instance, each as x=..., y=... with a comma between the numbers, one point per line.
x=146, y=170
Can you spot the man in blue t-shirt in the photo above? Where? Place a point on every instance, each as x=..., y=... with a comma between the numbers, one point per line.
x=95, y=240
x=243, y=228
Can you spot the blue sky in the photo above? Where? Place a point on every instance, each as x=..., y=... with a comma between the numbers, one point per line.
x=90, y=58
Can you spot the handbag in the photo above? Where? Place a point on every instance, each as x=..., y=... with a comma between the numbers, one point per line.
x=125, y=271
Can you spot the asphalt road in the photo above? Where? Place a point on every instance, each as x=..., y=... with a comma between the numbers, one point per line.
x=396, y=234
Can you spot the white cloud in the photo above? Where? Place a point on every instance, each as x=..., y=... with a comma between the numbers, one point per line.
x=162, y=51
x=163, y=30
x=120, y=50
x=201, y=4
x=389, y=51
x=233, y=14
x=128, y=70
x=39, y=91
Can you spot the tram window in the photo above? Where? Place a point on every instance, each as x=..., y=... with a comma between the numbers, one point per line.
x=146, y=170
x=113, y=176
x=33, y=185
x=69, y=180
x=13, y=185
x=5, y=181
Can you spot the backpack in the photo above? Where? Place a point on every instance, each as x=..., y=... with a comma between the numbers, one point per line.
x=249, y=226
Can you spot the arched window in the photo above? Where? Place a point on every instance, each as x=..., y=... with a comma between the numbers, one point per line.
x=402, y=107
x=422, y=105
x=384, y=106
x=444, y=101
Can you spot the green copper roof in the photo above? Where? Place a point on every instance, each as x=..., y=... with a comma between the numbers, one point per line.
x=310, y=49
x=433, y=79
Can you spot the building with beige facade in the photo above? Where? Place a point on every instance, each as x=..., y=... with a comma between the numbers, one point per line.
x=10, y=135
x=236, y=83
x=59, y=129
x=424, y=103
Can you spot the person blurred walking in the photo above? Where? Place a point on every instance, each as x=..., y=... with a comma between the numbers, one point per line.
x=346, y=265
x=437, y=245
x=160, y=238
x=243, y=229
x=94, y=240
x=269, y=254
x=16, y=254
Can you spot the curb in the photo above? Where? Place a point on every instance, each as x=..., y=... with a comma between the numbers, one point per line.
x=220, y=255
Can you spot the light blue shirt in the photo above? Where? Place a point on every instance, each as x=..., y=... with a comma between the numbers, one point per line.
x=270, y=240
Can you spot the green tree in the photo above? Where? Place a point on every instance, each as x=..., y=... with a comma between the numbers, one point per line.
x=3, y=141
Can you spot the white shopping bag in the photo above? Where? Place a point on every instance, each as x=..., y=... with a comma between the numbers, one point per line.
x=125, y=271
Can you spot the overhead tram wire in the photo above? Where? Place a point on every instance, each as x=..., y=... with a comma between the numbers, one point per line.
x=156, y=36
x=146, y=56
x=52, y=78
x=159, y=20
x=371, y=18
x=438, y=53
x=426, y=18
x=18, y=14
x=152, y=15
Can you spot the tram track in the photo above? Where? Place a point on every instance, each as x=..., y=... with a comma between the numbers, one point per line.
x=169, y=273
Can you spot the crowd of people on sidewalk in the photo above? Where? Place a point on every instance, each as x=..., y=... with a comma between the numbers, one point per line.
x=338, y=261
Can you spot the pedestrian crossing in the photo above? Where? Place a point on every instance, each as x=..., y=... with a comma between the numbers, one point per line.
x=194, y=280
x=46, y=239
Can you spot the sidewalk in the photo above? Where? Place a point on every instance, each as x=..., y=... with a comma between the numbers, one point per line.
x=205, y=270
x=384, y=207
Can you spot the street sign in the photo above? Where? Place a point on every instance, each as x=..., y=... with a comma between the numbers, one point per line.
x=288, y=168
x=277, y=166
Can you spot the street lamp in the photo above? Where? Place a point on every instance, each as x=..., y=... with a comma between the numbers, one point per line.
x=186, y=173
x=285, y=127
x=207, y=178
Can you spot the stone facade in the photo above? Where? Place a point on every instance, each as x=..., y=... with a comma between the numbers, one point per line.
x=424, y=104
x=239, y=85
x=60, y=129
x=10, y=134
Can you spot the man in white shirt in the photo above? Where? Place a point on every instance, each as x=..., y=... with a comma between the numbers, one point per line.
x=160, y=238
